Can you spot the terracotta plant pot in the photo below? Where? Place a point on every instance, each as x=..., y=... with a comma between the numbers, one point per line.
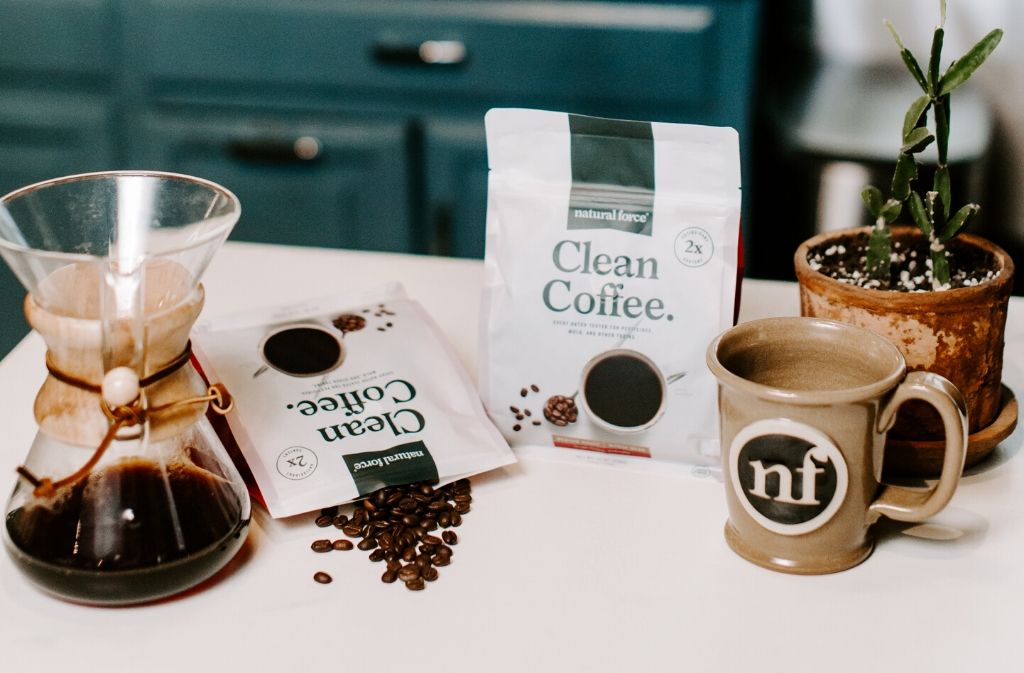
x=957, y=333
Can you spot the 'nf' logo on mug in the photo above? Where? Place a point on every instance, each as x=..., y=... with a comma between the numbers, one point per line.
x=790, y=477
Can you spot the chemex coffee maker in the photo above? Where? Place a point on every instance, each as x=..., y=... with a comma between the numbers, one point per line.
x=127, y=494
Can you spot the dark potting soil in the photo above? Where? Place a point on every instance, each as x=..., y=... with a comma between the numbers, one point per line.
x=845, y=261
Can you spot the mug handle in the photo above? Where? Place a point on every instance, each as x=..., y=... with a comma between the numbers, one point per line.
x=907, y=504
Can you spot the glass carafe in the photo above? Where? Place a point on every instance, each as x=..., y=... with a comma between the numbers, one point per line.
x=126, y=494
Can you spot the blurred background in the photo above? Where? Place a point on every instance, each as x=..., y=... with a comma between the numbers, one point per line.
x=357, y=124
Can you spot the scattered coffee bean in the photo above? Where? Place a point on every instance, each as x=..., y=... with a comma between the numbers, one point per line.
x=536, y=422
x=515, y=409
x=322, y=577
x=527, y=412
x=534, y=388
x=517, y=427
x=395, y=524
x=324, y=520
x=522, y=393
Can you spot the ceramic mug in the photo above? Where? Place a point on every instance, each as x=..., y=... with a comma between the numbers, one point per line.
x=805, y=404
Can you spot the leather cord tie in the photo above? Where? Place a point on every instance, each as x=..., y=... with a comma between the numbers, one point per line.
x=124, y=416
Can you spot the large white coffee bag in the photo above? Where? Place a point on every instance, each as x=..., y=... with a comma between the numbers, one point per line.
x=611, y=263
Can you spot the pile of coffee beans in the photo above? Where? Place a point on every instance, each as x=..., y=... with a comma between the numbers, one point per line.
x=395, y=525
x=561, y=410
x=348, y=322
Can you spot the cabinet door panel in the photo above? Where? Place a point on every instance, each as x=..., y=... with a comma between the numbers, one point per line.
x=456, y=170
x=45, y=135
x=340, y=184
x=58, y=37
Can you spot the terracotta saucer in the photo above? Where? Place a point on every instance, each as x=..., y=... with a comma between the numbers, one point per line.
x=924, y=457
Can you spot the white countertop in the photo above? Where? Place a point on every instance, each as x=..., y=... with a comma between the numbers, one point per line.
x=560, y=565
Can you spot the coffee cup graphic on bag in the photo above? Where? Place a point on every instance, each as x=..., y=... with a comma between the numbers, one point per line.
x=301, y=349
x=624, y=391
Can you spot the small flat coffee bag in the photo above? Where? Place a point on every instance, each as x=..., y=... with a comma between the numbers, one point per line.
x=611, y=263
x=338, y=397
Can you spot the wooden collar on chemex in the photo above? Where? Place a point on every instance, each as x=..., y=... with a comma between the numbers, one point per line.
x=124, y=409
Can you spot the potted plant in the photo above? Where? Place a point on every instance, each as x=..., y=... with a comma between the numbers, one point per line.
x=940, y=295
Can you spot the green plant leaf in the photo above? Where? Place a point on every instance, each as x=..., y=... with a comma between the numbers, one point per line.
x=891, y=210
x=917, y=140
x=872, y=197
x=914, y=117
x=920, y=215
x=941, y=185
x=905, y=173
x=960, y=220
x=940, y=268
x=879, y=257
x=959, y=71
x=942, y=113
x=933, y=203
x=908, y=59
x=933, y=62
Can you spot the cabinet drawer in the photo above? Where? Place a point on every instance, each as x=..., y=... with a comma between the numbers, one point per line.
x=437, y=51
x=57, y=36
x=336, y=184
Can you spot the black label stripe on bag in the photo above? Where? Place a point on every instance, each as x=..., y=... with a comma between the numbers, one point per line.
x=612, y=175
x=401, y=464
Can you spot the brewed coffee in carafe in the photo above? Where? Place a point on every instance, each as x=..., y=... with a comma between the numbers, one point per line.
x=127, y=494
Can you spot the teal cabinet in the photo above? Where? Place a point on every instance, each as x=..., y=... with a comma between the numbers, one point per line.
x=345, y=123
